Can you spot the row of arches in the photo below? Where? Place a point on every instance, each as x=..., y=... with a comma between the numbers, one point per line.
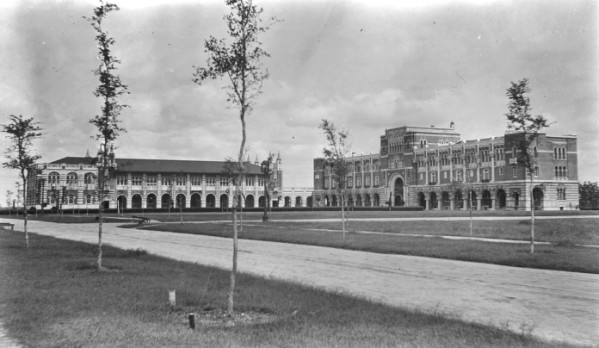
x=470, y=198
x=195, y=201
x=358, y=200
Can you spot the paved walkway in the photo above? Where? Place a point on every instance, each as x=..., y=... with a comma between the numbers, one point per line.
x=552, y=305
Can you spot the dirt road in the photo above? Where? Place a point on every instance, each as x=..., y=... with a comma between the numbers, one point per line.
x=552, y=305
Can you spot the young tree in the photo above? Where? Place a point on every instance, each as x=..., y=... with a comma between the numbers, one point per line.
x=21, y=132
x=240, y=63
x=335, y=157
x=107, y=123
x=521, y=120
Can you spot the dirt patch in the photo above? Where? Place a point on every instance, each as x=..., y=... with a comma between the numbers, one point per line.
x=218, y=317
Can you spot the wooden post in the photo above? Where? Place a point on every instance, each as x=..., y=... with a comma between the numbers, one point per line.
x=172, y=298
x=192, y=320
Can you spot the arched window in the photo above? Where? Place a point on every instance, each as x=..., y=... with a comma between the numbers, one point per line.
x=53, y=178
x=89, y=178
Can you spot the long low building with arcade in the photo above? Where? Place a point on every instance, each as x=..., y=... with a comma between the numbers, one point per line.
x=71, y=183
x=434, y=168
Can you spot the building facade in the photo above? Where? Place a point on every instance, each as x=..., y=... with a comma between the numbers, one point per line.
x=71, y=183
x=435, y=169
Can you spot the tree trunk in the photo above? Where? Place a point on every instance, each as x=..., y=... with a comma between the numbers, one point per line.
x=532, y=217
x=234, y=269
x=470, y=204
x=343, y=218
x=25, y=212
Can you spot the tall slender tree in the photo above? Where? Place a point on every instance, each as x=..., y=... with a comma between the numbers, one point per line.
x=107, y=123
x=528, y=126
x=335, y=157
x=22, y=131
x=240, y=62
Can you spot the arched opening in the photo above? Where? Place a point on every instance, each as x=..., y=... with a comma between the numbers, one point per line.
x=358, y=200
x=421, y=200
x=350, y=201
x=445, y=201
x=151, y=201
x=180, y=201
x=224, y=201
x=106, y=205
x=310, y=201
x=287, y=201
x=166, y=201
x=298, y=201
x=516, y=200
x=398, y=192
x=377, y=200
x=486, y=199
x=537, y=195
x=458, y=200
x=249, y=201
x=326, y=201
x=196, y=200
x=501, y=199
x=210, y=201
x=333, y=201
x=434, y=201
x=398, y=201
x=136, y=201
x=261, y=201
x=121, y=203
x=367, y=202
x=472, y=199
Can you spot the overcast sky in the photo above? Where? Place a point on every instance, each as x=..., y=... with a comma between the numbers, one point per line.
x=366, y=65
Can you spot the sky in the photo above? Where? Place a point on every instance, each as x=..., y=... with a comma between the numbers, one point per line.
x=365, y=65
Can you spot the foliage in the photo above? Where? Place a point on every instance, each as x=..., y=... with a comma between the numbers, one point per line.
x=589, y=195
x=21, y=132
x=521, y=120
x=335, y=154
x=110, y=87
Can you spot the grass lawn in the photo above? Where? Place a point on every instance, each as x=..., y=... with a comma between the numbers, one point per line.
x=563, y=255
x=51, y=296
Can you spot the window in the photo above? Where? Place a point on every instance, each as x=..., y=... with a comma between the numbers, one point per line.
x=349, y=182
x=151, y=180
x=444, y=175
x=167, y=180
x=561, y=194
x=121, y=180
x=433, y=177
x=224, y=181
x=535, y=151
x=500, y=171
x=196, y=180
x=486, y=174
x=376, y=180
x=180, y=180
x=72, y=179
x=458, y=175
x=358, y=182
x=514, y=172
x=421, y=176
x=210, y=180
x=536, y=173
x=367, y=181
x=71, y=199
x=89, y=178
x=136, y=180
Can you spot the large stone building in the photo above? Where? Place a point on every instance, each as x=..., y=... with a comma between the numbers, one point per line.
x=70, y=182
x=434, y=168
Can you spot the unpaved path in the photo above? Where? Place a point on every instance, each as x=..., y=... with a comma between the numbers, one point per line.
x=555, y=305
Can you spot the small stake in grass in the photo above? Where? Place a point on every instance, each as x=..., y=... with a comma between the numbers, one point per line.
x=192, y=320
x=172, y=298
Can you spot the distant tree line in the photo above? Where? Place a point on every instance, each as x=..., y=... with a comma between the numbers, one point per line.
x=589, y=195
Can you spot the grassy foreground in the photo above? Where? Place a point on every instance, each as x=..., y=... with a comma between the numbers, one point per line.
x=50, y=296
x=563, y=255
